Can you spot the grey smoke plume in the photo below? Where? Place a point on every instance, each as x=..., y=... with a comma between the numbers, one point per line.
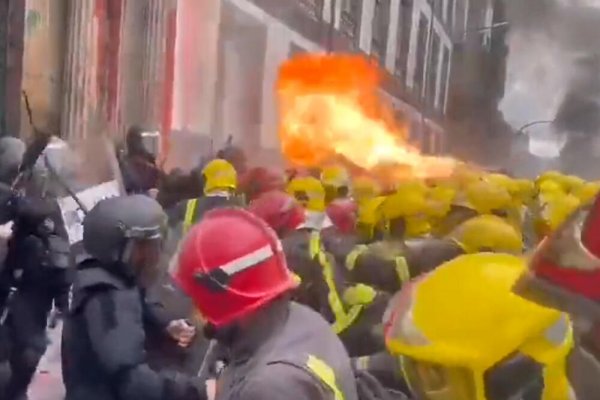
x=554, y=64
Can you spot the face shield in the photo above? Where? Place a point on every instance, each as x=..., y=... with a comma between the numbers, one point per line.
x=151, y=142
x=430, y=381
x=143, y=253
x=516, y=377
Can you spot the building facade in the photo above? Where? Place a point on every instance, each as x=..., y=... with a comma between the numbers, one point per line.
x=205, y=71
x=93, y=67
x=477, y=83
x=249, y=39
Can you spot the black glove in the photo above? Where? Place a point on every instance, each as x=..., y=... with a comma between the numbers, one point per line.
x=7, y=201
x=369, y=388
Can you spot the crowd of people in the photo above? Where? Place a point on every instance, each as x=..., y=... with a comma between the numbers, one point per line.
x=316, y=284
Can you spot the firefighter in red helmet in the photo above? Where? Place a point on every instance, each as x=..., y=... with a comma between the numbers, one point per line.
x=232, y=266
x=279, y=210
x=259, y=180
x=343, y=214
x=564, y=273
x=351, y=309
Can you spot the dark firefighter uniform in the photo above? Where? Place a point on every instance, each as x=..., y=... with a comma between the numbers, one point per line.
x=354, y=311
x=278, y=349
x=104, y=334
x=283, y=357
x=220, y=184
x=387, y=264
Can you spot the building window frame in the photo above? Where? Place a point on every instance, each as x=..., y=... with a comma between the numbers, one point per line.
x=314, y=8
x=381, y=25
x=350, y=19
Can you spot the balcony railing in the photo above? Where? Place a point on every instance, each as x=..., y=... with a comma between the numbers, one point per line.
x=348, y=24
x=314, y=8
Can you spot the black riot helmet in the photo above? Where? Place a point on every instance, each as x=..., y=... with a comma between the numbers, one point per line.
x=127, y=233
x=11, y=156
x=143, y=142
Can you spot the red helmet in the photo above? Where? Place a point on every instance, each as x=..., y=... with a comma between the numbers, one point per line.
x=343, y=214
x=260, y=180
x=280, y=210
x=564, y=270
x=231, y=264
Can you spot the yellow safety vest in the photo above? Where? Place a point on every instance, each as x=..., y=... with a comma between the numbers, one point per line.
x=190, y=213
x=357, y=296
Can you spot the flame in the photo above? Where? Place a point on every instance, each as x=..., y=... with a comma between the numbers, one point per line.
x=329, y=108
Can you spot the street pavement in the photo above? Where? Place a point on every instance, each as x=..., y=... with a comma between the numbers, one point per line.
x=47, y=383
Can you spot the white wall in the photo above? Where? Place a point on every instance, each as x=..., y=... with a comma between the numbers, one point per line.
x=279, y=41
x=196, y=69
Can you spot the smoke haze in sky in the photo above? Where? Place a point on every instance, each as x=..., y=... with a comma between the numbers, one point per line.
x=553, y=69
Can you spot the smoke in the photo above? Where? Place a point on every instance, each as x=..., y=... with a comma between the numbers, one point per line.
x=554, y=64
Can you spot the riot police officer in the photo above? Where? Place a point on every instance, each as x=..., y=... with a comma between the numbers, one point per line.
x=138, y=166
x=35, y=273
x=103, y=335
x=35, y=276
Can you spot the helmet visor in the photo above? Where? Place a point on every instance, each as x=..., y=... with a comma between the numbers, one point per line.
x=151, y=142
x=430, y=381
x=145, y=257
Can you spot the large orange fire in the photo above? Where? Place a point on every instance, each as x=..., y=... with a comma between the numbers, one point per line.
x=330, y=109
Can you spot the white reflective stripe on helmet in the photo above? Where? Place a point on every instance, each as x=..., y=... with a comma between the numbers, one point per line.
x=249, y=260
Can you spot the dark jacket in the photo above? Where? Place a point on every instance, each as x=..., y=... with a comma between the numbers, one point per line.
x=377, y=264
x=140, y=174
x=271, y=359
x=103, y=343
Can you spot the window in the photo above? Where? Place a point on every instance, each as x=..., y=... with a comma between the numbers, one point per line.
x=314, y=8
x=437, y=6
x=450, y=13
x=350, y=18
x=432, y=70
x=381, y=23
x=403, y=38
x=445, y=75
x=421, y=53
x=296, y=50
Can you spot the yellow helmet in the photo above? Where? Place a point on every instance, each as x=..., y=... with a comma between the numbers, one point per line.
x=368, y=216
x=548, y=176
x=501, y=180
x=524, y=191
x=571, y=183
x=554, y=211
x=587, y=192
x=463, y=334
x=417, y=226
x=335, y=176
x=488, y=233
x=440, y=201
x=219, y=175
x=486, y=197
x=364, y=188
x=309, y=192
x=403, y=203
